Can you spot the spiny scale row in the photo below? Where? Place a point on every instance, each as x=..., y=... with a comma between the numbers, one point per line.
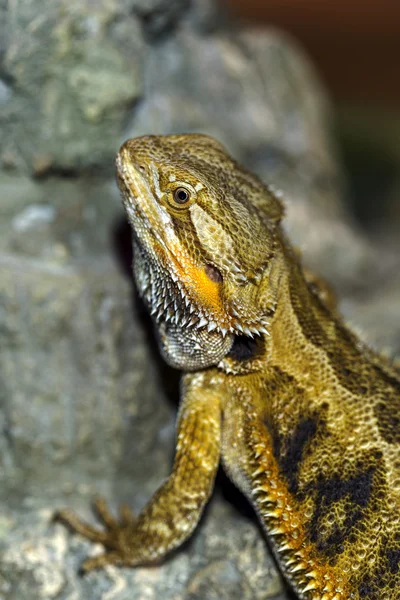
x=170, y=303
x=292, y=559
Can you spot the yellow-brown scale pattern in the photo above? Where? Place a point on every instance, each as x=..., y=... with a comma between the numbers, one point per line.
x=305, y=418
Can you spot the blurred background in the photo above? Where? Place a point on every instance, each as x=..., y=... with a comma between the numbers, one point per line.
x=355, y=46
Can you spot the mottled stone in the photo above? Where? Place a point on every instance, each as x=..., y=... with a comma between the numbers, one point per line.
x=375, y=316
x=72, y=82
x=72, y=363
x=226, y=559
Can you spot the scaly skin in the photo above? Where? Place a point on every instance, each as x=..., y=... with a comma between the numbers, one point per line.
x=304, y=416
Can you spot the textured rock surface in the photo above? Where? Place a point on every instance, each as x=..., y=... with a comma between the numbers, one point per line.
x=42, y=562
x=86, y=406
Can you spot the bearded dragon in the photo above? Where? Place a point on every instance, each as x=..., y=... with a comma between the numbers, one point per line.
x=303, y=415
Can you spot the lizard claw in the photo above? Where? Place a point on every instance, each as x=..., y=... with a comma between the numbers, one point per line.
x=126, y=516
x=101, y=561
x=103, y=513
x=77, y=525
x=114, y=537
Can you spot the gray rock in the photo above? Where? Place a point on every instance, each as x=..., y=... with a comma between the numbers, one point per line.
x=43, y=559
x=74, y=69
x=375, y=316
x=86, y=405
x=68, y=386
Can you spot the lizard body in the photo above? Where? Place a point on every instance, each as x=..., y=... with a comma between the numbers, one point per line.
x=305, y=417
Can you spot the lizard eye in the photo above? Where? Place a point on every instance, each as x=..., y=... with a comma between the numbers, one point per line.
x=181, y=195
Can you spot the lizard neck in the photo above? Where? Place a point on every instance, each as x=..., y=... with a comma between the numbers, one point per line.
x=304, y=330
x=312, y=345
x=301, y=316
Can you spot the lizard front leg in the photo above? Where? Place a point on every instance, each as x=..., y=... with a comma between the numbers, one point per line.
x=175, y=509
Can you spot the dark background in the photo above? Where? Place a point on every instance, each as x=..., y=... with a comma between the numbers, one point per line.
x=355, y=46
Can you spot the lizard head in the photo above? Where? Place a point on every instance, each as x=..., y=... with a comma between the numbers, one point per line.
x=205, y=234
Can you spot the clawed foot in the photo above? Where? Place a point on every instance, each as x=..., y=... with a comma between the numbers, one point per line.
x=114, y=537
